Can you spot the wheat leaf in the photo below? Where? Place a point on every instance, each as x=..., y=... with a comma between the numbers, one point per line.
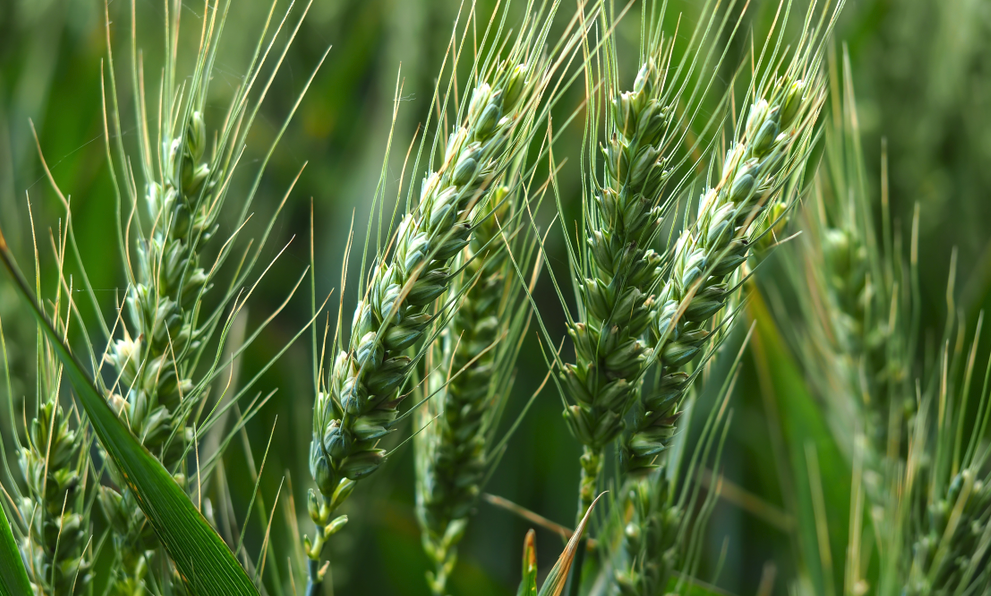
x=201, y=557
x=528, y=586
x=558, y=575
x=799, y=423
x=13, y=576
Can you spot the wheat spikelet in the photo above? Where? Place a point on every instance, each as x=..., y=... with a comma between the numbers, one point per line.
x=54, y=466
x=650, y=538
x=951, y=552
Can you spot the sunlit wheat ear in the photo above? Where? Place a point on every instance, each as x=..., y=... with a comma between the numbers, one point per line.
x=177, y=184
x=364, y=384
x=364, y=389
x=469, y=371
x=773, y=141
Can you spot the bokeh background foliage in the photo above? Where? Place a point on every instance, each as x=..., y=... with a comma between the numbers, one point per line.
x=922, y=70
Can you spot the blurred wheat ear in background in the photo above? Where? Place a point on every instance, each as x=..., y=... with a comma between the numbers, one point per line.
x=919, y=466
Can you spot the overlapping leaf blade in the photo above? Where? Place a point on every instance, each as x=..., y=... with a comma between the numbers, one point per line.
x=13, y=577
x=528, y=586
x=557, y=577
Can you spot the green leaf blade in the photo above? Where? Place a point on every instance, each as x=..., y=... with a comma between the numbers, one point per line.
x=13, y=576
x=528, y=585
x=201, y=557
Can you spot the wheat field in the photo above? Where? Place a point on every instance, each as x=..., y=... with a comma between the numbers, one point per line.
x=593, y=298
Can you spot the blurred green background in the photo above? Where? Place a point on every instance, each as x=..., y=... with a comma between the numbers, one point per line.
x=922, y=71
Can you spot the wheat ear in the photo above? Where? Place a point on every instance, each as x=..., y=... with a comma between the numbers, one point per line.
x=160, y=386
x=54, y=506
x=615, y=270
x=772, y=145
x=451, y=451
x=928, y=491
x=363, y=389
x=623, y=218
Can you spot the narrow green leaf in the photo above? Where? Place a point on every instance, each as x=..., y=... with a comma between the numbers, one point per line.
x=13, y=576
x=204, y=561
x=558, y=575
x=693, y=587
x=528, y=587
